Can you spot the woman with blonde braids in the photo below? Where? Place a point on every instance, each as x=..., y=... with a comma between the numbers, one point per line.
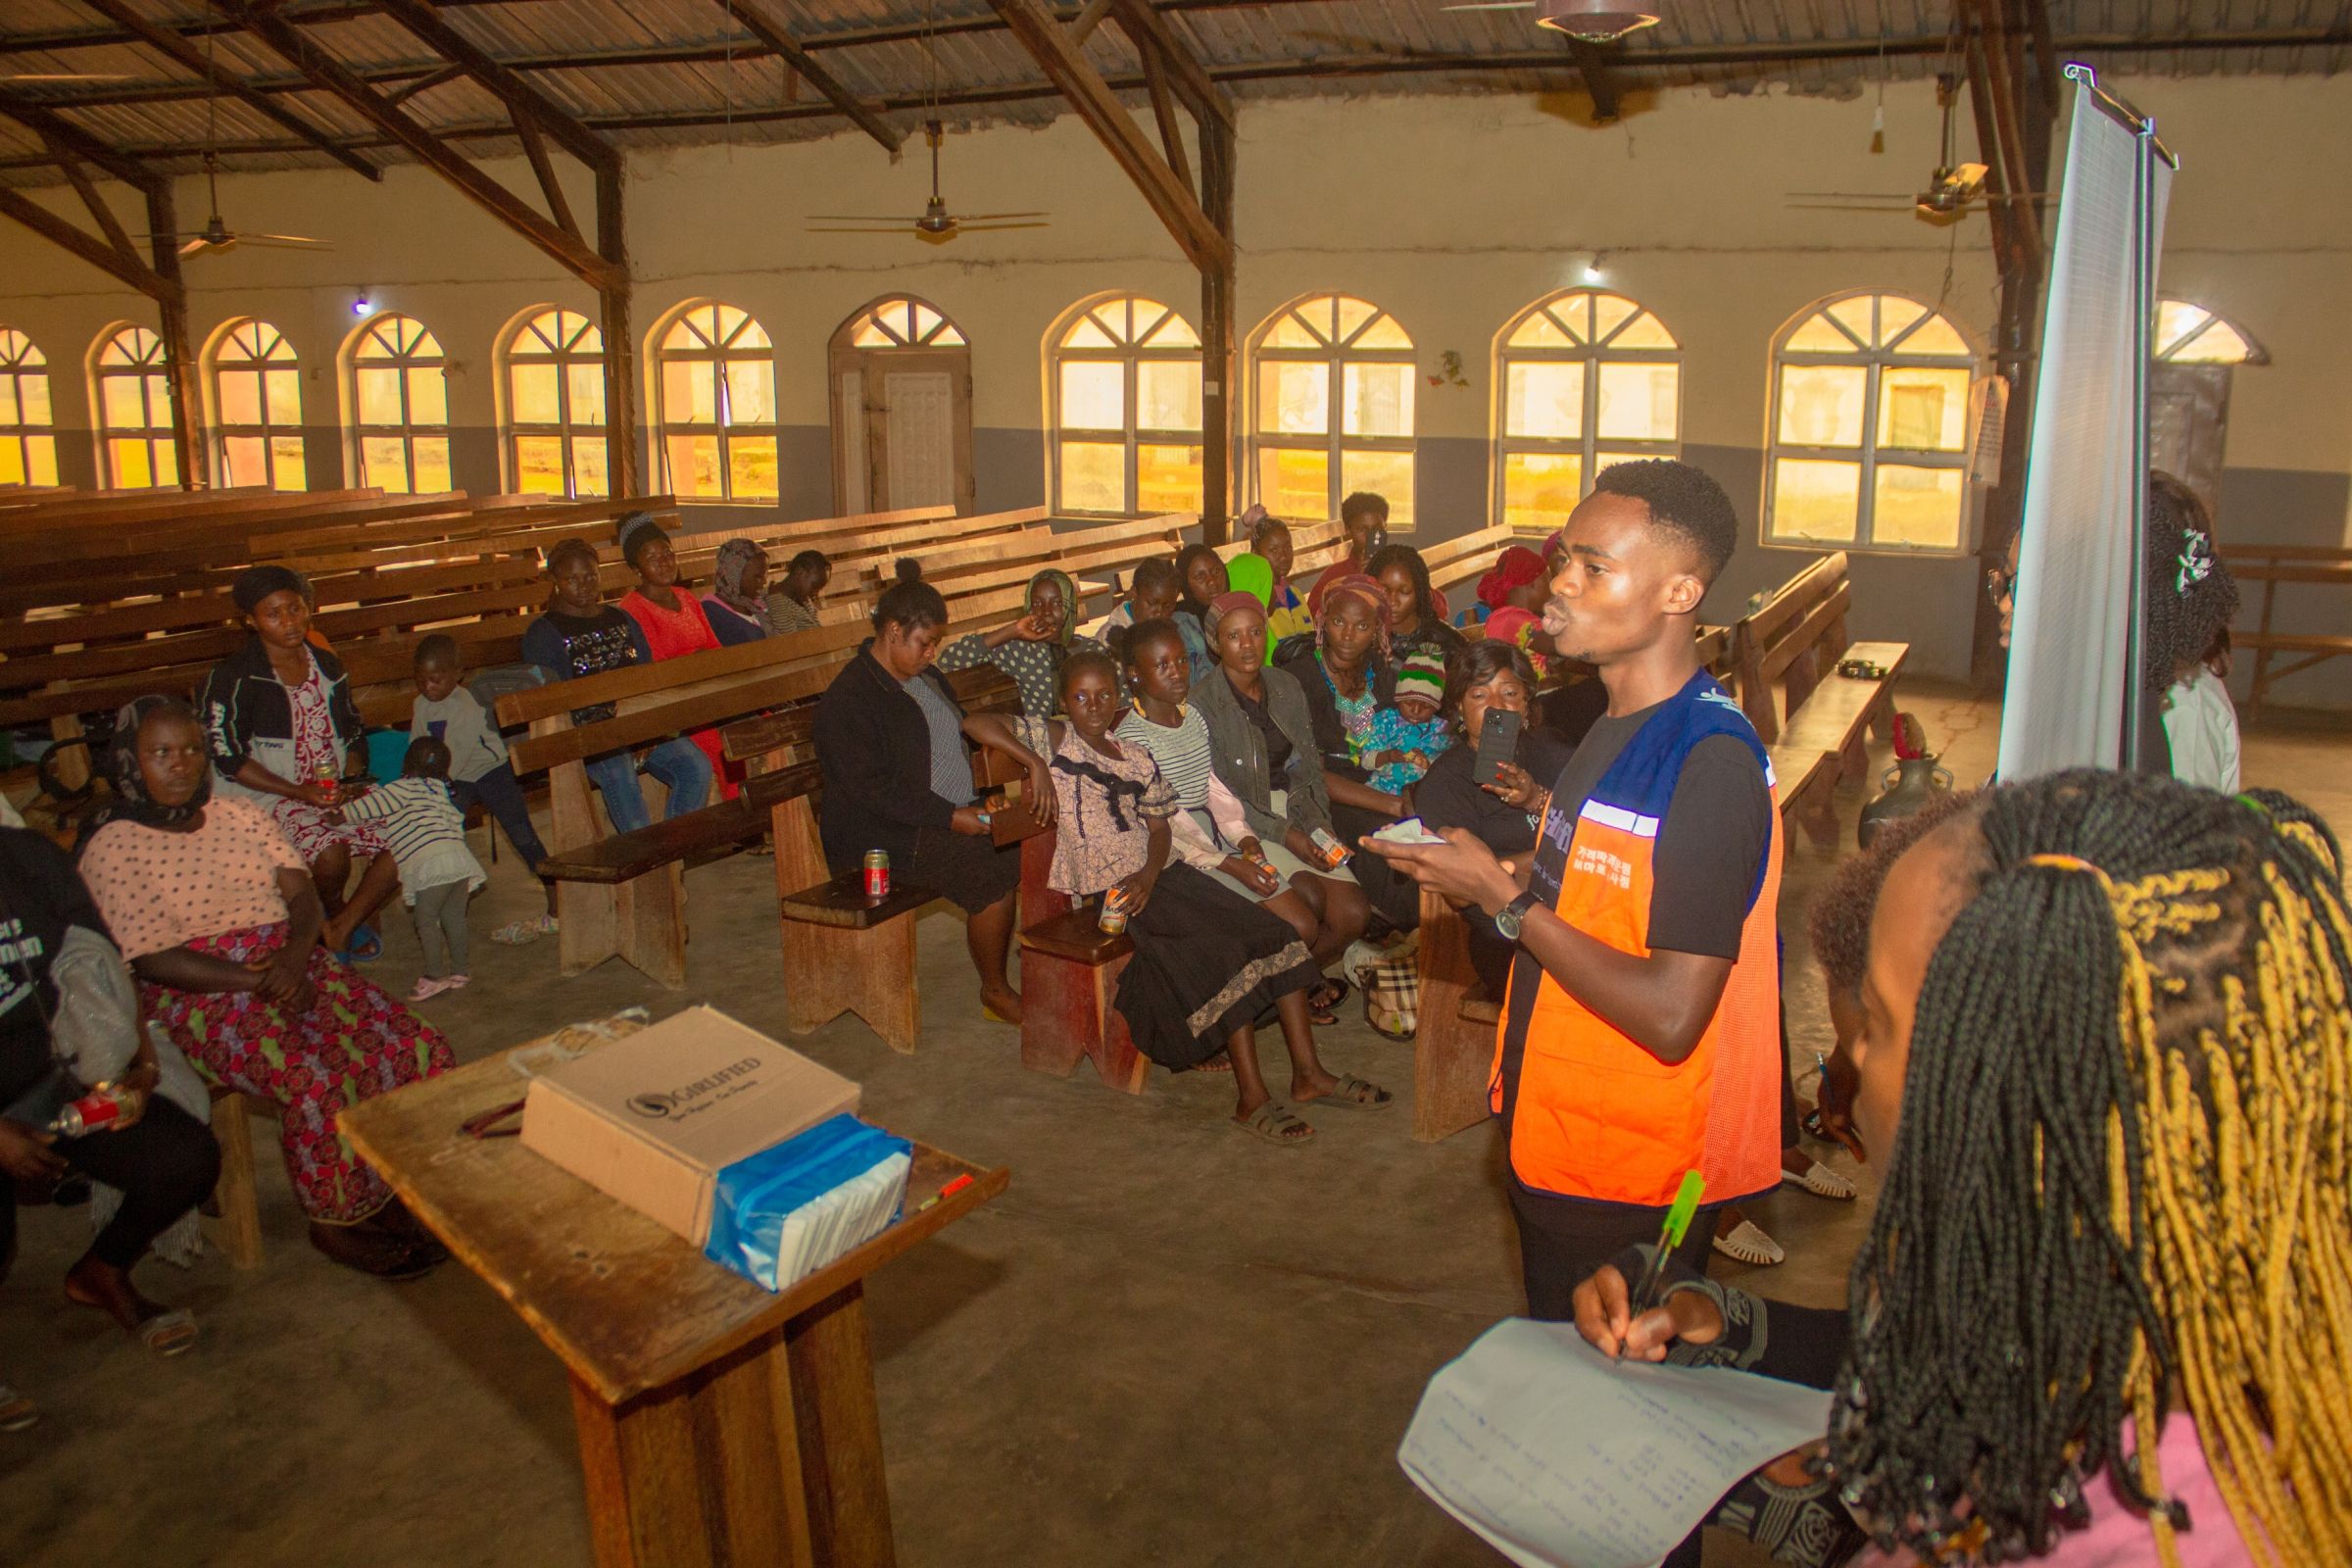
x=2104, y=1313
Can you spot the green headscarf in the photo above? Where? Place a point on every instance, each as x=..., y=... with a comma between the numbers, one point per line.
x=1252, y=573
x=1069, y=601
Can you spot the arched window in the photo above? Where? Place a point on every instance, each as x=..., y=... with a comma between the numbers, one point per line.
x=718, y=406
x=257, y=408
x=2192, y=334
x=1583, y=379
x=1123, y=391
x=555, y=404
x=27, y=448
x=901, y=323
x=134, y=411
x=1334, y=402
x=400, y=392
x=1870, y=405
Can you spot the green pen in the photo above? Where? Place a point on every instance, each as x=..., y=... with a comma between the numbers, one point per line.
x=1678, y=1226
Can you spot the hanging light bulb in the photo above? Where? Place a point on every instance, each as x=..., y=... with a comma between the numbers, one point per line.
x=1595, y=20
x=1595, y=272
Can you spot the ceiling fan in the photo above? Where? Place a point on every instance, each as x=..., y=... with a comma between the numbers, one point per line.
x=216, y=235
x=935, y=224
x=1588, y=21
x=1954, y=190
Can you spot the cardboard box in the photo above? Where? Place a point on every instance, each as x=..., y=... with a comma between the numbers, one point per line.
x=652, y=1118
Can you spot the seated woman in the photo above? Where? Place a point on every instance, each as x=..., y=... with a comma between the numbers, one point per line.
x=1207, y=962
x=670, y=619
x=792, y=602
x=1262, y=746
x=70, y=1022
x=1518, y=580
x=221, y=923
x=1347, y=679
x=2191, y=599
x=737, y=603
x=1031, y=649
x=284, y=734
x=2098, y=1317
x=1269, y=536
x=890, y=743
x=1491, y=677
x=579, y=635
x=1414, y=624
x=1205, y=578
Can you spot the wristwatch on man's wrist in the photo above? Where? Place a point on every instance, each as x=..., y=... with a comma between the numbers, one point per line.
x=1509, y=917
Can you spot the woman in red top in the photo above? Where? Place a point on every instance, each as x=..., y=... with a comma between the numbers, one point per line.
x=672, y=619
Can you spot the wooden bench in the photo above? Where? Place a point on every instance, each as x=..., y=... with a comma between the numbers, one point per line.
x=2304, y=566
x=237, y=1232
x=1070, y=970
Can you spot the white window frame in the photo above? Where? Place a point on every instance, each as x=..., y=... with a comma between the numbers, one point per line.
x=23, y=362
x=721, y=344
x=423, y=351
x=249, y=345
x=1340, y=348
x=147, y=362
x=1127, y=320
x=1593, y=350
x=568, y=342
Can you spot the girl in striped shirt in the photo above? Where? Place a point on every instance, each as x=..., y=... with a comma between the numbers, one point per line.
x=437, y=871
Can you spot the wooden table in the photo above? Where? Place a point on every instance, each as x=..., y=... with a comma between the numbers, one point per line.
x=719, y=1424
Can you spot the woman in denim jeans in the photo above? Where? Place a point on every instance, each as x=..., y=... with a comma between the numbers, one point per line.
x=580, y=634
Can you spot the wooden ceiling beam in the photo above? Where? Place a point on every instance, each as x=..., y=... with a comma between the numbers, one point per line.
x=414, y=85
x=535, y=148
x=770, y=33
x=87, y=189
x=164, y=41
x=1143, y=22
x=2000, y=61
x=523, y=101
x=332, y=75
x=55, y=130
x=126, y=270
x=1088, y=19
x=1170, y=199
x=1171, y=123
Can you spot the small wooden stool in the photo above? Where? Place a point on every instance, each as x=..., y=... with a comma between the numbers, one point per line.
x=1069, y=971
x=843, y=952
x=238, y=1230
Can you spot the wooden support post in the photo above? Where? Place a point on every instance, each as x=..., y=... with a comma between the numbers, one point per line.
x=624, y=468
x=1217, y=362
x=1593, y=66
x=238, y=1230
x=179, y=358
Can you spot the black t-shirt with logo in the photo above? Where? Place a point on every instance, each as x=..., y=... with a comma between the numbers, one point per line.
x=40, y=895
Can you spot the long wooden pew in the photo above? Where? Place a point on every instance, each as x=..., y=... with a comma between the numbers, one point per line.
x=2302, y=567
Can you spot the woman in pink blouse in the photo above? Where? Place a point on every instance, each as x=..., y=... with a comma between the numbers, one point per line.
x=672, y=619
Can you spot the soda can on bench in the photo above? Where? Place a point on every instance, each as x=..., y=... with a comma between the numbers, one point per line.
x=877, y=873
x=1115, y=913
x=101, y=1107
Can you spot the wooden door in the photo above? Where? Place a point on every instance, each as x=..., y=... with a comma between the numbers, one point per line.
x=901, y=381
x=2189, y=421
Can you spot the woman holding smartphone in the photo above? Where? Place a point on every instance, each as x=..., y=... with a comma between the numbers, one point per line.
x=1484, y=678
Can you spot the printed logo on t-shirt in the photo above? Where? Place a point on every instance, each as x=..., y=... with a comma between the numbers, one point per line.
x=19, y=952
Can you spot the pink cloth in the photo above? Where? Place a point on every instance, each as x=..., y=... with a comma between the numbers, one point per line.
x=2118, y=1536
x=160, y=890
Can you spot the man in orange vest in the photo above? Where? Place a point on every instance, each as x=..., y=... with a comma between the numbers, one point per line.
x=1638, y=1036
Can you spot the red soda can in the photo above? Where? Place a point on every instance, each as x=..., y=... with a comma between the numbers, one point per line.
x=96, y=1109
x=877, y=873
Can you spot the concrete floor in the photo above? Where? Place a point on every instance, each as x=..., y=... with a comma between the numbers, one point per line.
x=1166, y=1344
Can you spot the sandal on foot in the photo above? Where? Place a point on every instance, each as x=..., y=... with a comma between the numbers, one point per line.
x=1274, y=1122
x=1745, y=1244
x=16, y=1412
x=1350, y=1092
x=515, y=933
x=428, y=987
x=1821, y=1181
x=1221, y=1062
x=170, y=1334
x=363, y=946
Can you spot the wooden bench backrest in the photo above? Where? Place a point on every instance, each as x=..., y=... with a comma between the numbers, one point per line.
x=1791, y=643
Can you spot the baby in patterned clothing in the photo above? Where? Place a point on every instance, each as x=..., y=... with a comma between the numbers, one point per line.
x=1408, y=734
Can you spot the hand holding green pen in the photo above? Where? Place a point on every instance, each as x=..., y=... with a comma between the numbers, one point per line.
x=1670, y=1237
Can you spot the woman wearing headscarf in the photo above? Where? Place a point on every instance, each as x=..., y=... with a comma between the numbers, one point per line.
x=737, y=603
x=1033, y=648
x=1517, y=580
x=672, y=619
x=219, y=921
x=285, y=734
x=1347, y=679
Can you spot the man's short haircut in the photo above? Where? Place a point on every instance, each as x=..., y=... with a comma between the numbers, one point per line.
x=439, y=647
x=1143, y=633
x=809, y=563
x=1360, y=501
x=1682, y=498
x=1156, y=575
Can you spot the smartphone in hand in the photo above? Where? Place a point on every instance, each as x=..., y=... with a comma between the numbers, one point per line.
x=1497, y=743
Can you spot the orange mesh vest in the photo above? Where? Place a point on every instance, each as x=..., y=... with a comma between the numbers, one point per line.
x=1589, y=1114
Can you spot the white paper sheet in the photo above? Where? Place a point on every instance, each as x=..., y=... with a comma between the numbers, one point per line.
x=1562, y=1458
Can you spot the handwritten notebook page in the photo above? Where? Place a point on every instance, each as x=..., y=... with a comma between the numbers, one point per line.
x=1562, y=1458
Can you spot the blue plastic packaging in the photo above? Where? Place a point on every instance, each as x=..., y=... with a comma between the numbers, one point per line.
x=788, y=1211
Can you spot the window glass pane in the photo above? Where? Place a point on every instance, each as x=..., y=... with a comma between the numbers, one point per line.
x=925, y=318
x=244, y=459
x=693, y=466
x=750, y=335
x=534, y=397
x=1175, y=332
x=130, y=462
x=1294, y=398
x=1086, y=333
x=432, y=463
x=285, y=396
x=1353, y=315
x=539, y=465
x=1384, y=473
x=240, y=397
x=1295, y=484
x=1922, y=409
x=1544, y=398
x=35, y=392
x=1854, y=315
x=1895, y=316
x=8, y=400
x=1609, y=312
x=158, y=401
x=379, y=397
x=587, y=393
x=1916, y=506
x=1638, y=402
x=1094, y=475
x=165, y=459
x=12, y=460
x=870, y=337
x=42, y=450
x=429, y=399
x=752, y=466
x=1383, y=333
x=2175, y=319
x=752, y=395
x=1814, y=500
x=1094, y=395
x=1934, y=336
x=123, y=410
x=1167, y=478
x=1167, y=395
x=588, y=474
x=1818, y=336
x=384, y=462
x=949, y=337
x=1540, y=489
x=1541, y=332
x=689, y=394
x=1821, y=405
x=288, y=472
x=1377, y=399
x=1291, y=334
x=1645, y=332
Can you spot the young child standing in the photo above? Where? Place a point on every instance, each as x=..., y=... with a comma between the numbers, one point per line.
x=1206, y=960
x=437, y=871
x=1410, y=733
x=478, y=769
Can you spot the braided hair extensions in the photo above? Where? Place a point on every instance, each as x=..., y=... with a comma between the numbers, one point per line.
x=2124, y=1175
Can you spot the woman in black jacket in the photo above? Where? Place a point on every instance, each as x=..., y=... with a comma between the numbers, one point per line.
x=889, y=740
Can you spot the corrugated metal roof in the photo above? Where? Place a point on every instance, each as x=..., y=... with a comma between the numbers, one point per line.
x=654, y=72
